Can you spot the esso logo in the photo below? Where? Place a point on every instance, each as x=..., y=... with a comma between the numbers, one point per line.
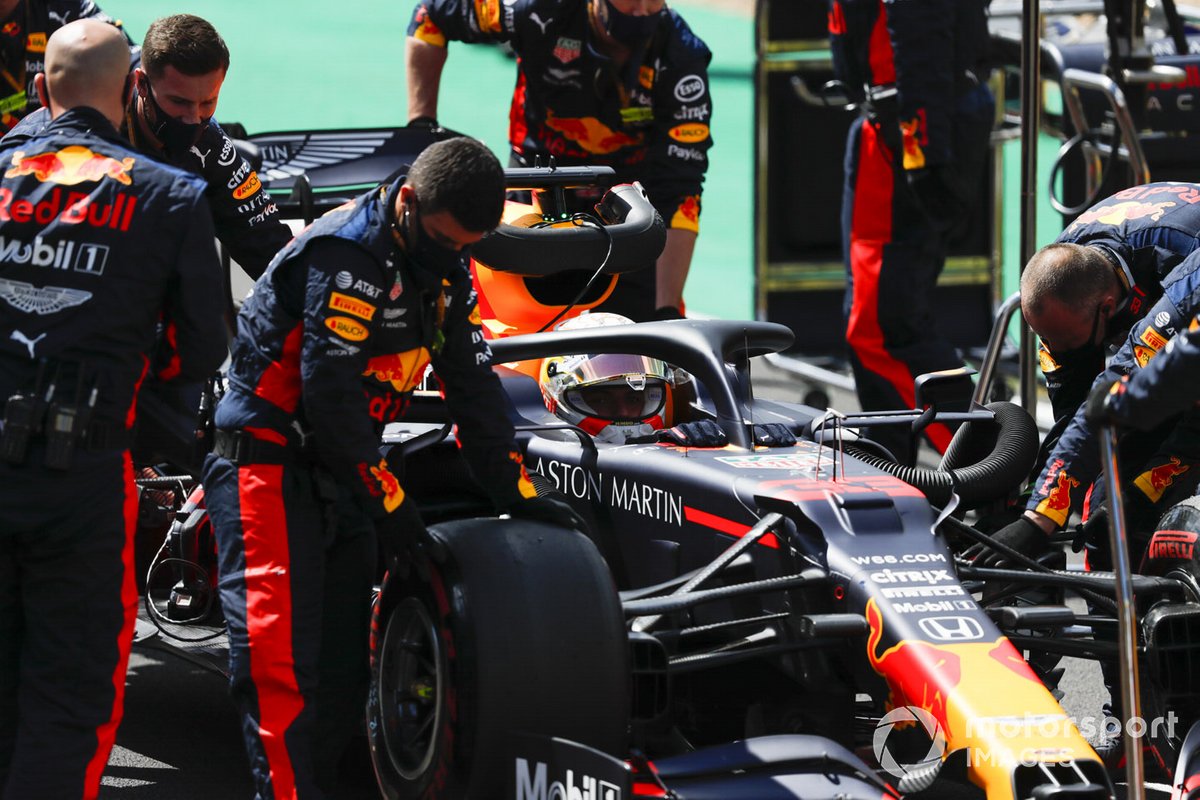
x=689, y=88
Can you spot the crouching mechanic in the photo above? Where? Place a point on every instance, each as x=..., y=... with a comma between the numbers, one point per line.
x=627, y=399
x=329, y=346
x=131, y=249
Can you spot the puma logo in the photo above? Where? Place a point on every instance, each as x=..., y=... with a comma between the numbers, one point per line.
x=535, y=18
x=25, y=340
x=202, y=156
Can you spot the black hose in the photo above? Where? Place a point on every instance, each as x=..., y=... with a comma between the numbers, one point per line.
x=995, y=455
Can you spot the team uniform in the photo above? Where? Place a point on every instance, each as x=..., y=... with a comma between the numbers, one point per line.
x=103, y=252
x=1170, y=384
x=648, y=121
x=1168, y=456
x=246, y=219
x=329, y=348
x=918, y=70
x=23, y=37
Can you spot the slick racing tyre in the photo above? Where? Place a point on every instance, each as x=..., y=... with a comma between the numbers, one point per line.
x=513, y=626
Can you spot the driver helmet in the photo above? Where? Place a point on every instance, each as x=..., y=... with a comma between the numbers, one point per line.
x=612, y=396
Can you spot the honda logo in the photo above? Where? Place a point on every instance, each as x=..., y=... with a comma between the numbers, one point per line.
x=952, y=629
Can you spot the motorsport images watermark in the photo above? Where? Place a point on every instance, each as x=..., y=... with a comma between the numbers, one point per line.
x=1046, y=726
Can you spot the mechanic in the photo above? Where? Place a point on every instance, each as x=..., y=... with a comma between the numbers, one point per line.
x=1082, y=293
x=914, y=159
x=24, y=27
x=329, y=347
x=618, y=83
x=183, y=65
x=1166, y=456
x=627, y=399
x=103, y=246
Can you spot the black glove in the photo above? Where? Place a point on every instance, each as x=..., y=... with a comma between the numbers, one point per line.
x=550, y=509
x=701, y=433
x=400, y=529
x=429, y=123
x=1099, y=407
x=1023, y=535
x=773, y=434
x=939, y=193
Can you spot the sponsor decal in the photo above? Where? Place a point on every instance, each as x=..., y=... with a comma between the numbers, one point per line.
x=369, y=289
x=487, y=15
x=789, y=461
x=637, y=115
x=1173, y=545
x=343, y=348
x=687, y=215
x=1156, y=480
x=475, y=318
x=75, y=208
x=36, y=43
x=689, y=88
x=1046, y=361
x=1142, y=355
x=40, y=300
x=351, y=305
x=11, y=29
x=343, y=279
x=1121, y=212
x=534, y=18
x=692, y=113
x=1153, y=338
x=427, y=31
x=251, y=185
x=646, y=77
x=80, y=256
x=395, y=292
x=563, y=77
x=591, y=134
x=956, y=628
x=402, y=371
x=907, y=558
x=394, y=313
x=21, y=338
x=888, y=576
x=72, y=165
x=566, y=49
x=1161, y=319
x=686, y=153
x=202, y=156
x=228, y=153
x=238, y=176
x=1057, y=505
x=689, y=133
x=909, y=592
x=919, y=674
x=393, y=495
x=915, y=135
x=347, y=328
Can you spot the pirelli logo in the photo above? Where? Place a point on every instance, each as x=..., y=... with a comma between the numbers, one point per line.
x=352, y=305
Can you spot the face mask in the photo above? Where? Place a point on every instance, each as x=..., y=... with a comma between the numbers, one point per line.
x=428, y=254
x=630, y=30
x=176, y=135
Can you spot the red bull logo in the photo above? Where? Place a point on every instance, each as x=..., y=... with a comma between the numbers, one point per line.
x=70, y=166
x=73, y=208
x=402, y=370
x=487, y=12
x=914, y=136
x=1156, y=480
x=1122, y=212
x=1172, y=545
x=918, y=674
x=393, y=495
x=687, y=216
x=591, y=134
x=1057, y=505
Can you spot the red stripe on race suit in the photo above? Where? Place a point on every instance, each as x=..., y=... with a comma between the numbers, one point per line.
x=106, y=734
x=883, y=64
x=269, y=625
x=870, y=232
x=726, y=526
x=280, y=382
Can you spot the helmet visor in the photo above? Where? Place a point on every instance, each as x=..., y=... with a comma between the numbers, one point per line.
x=629, y=398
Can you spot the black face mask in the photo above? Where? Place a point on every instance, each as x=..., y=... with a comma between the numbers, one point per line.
x=631, y=30
x=428, y=254
x=1088, y=349
x=176, y=135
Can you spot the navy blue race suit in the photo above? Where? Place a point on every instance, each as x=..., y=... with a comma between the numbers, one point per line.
x=1170, y=384
x=649, y=121
x=23, y=36
x=919, y=72
x=1145, y=231
x=246, y=219
x=102, y=252
x=1168, y=456
x=329, y=348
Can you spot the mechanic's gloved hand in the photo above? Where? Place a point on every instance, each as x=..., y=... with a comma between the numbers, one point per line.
x=1023, y=535
x=940, y=193
x=429, y=123
x=1099, y=407
x=400, y=530
x=701, y=433
x=773, y=434
x=550, y=509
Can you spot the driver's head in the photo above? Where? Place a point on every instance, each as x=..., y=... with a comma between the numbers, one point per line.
x=87, y=63
x=452, y=196
x=184, y=62
x=1068, y=294
x=612, y=396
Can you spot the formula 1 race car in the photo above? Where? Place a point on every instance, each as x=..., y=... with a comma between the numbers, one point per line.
x=739, y=621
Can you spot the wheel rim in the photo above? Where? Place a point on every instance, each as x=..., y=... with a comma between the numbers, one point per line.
x=410, y=688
